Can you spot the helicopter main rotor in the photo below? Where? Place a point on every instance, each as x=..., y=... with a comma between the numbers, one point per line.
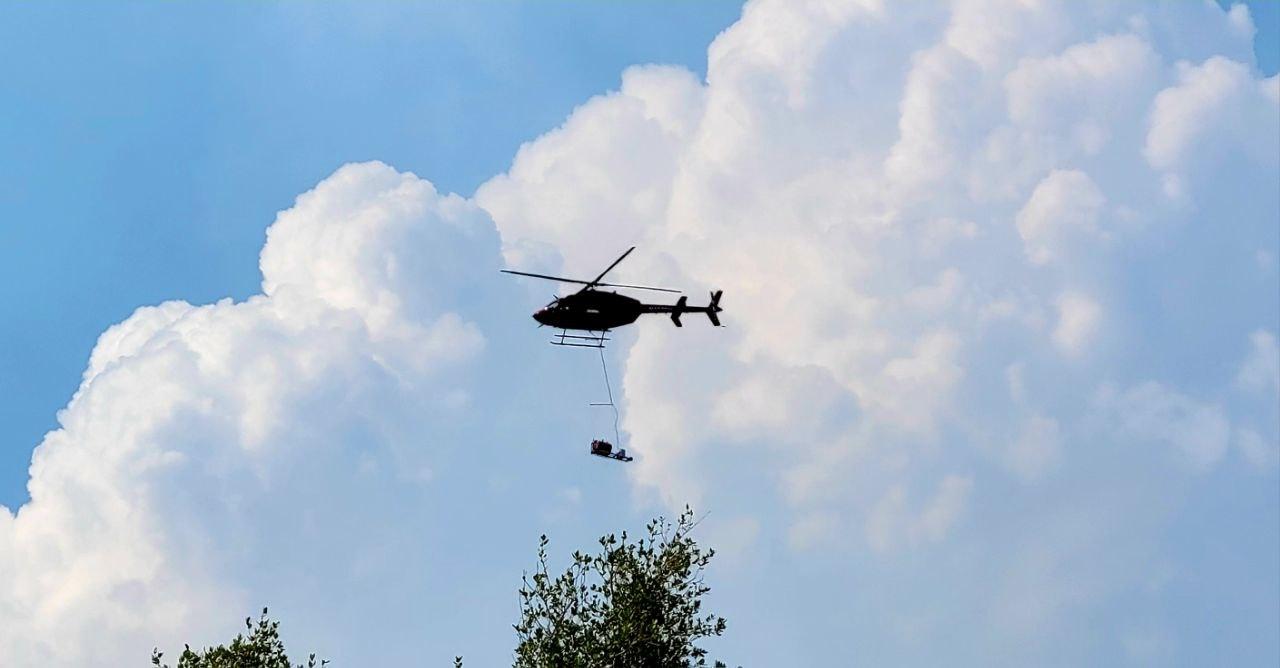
x=587, y=285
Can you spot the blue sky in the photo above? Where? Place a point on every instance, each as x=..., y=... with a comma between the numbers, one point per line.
x=997, y=388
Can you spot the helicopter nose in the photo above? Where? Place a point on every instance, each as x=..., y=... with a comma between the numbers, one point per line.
x=540, y=315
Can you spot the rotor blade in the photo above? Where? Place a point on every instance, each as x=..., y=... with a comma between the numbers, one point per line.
x=595, y=282
x=615, y=263
x=636, y=287
x=549, y=278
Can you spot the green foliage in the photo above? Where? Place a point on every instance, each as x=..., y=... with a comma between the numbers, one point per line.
x=635, y=604
x=261, y=649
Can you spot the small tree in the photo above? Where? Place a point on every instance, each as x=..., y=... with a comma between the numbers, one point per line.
x=261, y=649
x=634, y=604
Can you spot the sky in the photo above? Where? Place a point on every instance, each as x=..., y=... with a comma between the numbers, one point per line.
x=182, y=131
x=999, y=380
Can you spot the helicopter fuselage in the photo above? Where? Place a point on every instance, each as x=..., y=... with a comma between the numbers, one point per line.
x=591, y=310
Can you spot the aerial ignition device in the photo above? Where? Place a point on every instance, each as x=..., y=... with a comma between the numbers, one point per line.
x=596, y=311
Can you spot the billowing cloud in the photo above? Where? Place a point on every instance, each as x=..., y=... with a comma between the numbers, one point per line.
x=1065, y=204
x=989, y=271
x=203, y=437
x=968, y=250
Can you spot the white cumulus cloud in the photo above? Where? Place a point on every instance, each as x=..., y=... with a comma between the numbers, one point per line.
x=1064, y=205
x=914, y=209
x=1079, y=318
x=195, y=427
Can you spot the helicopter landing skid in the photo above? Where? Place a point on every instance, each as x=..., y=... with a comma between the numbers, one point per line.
x=564, y=338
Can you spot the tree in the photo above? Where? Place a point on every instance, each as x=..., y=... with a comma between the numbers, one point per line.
x=261, y=649
x=635, y=604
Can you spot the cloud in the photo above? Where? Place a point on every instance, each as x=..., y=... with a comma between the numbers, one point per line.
x=914, y=209
x=1037, y=448
x=1152, y=412
x=924, y=217
x=891, y=520
x=1258, y=378
x=195, y=427
x=1217, y=107
x=1065, y=204
x=1078, y=321
x=1260, y=371
x=1083, y=93
x=1256, y=450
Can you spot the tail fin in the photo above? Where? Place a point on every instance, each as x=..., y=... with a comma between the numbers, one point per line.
x=714, y=307
x=678, y=309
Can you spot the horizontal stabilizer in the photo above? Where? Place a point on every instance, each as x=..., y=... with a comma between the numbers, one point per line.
x=678, y=310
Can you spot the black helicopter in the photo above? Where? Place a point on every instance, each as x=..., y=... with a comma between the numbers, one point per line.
x=597, y=311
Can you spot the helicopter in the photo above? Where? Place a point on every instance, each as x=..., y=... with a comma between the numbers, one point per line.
x=597, y=311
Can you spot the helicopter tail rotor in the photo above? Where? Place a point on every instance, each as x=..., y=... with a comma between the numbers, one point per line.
x=714, y=307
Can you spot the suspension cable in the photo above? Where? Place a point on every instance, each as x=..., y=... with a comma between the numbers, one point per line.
x=608, y=386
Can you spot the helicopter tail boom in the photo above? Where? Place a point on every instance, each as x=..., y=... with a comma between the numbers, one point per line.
x=682, y=307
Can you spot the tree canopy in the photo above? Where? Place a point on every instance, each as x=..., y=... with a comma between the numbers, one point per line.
x=635, y=603
x=262, y=648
